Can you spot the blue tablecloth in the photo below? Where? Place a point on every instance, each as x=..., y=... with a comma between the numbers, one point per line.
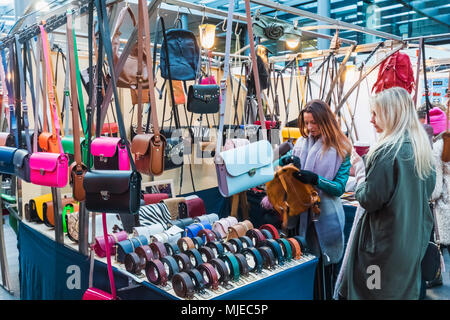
x=49, y=270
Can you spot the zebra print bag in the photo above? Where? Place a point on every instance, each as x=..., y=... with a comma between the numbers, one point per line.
x=156, y=213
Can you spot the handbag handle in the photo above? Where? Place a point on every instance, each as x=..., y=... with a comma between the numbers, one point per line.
x=23, y=94
x=73, y=88
x=144, y=24
x=106, y=36
x=51, y=95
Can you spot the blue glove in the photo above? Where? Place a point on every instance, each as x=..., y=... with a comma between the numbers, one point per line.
x=306, y=176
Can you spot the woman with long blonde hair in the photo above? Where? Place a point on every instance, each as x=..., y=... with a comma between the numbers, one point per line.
x=392, y=235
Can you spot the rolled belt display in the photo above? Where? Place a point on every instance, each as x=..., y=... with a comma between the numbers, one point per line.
x=287, y=249
x=181, y=223
x=207, y=253
x=268, y=257
x=145, y=252
x=134, y=263
x=185, y=243
x=266, y=233
x=197, y=279
x=243, y=265
x=171, y=266
x=156, y=272
x=183, y=261
x=209, y=218
x=217, y=247
x=195, y=256
x=193, y=229
x=158, y=249
x=246, y=242
x=171, y=248
x=232, y=264
x=228, y=247
x=273, y=231
x=256, y=236
x=221, y=269
x=99, y=245
x=207, y=235
x=296, y=249
x=148, y=231
x=128, y=246
x=208, y=271
x=254, y=259
x=183, y=285
x=198, y=242
x=237, y=243
x=276, y=248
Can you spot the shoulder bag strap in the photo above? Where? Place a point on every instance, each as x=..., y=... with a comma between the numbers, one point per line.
x=54, y=114
x=143, y=16
x=65, y=109
x=43, y=86
x=12, y=116
x=4, y=89
x=79, y=86
x=105, y=34
x=29, y=79
x=23, y=94
x=73, y=88
x=425, y=82
x=91, y=87
x=139, y=70
x=17, y=92
x=223, y=82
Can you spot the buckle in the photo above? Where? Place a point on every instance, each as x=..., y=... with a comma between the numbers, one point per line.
x=42, y=172
x=105, y=195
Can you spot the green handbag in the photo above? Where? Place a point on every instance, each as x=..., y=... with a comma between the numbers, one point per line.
x=67, y=144
x=273, y=28
x=68, y=208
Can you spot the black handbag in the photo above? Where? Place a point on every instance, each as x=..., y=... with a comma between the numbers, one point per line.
x=111, y=191
x=203, y=98
x=431, y=262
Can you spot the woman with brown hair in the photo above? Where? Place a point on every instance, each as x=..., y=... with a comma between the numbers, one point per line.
x=322, y=154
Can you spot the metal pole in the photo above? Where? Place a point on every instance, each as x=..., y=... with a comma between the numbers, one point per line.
x=323, y=9
x=57, y=212
x=307, y=14
x=83, y=229
x=3, y=258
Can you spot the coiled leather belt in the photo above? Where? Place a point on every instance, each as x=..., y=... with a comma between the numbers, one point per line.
x=286, y=247
x=198, y=242
x=237, y=243
x=171, y=266
x=267, y=257
x=134, y=263
x=195, y=257
x=183, y=261
x=266, y=234
x=254, y=259
x=207, y=235
x=158, y=249
x=156, y=272
x=145, y=252
x=229, y=247
x=221, y=269
x=276, y=248
x=197, y=279
x=185, y=243
x=232, y=264
x=171, y=248
x=182, y=285
x=207, y=253
x=217, y=247
x=208, y=271
x=273, y=231
x=243, y=265
x=296, y=250
x=256, y=236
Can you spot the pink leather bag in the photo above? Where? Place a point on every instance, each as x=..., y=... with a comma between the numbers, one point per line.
x=49, y=169
x=100, y=243
x=109, y=154
x=151, y=198
x=210, y=80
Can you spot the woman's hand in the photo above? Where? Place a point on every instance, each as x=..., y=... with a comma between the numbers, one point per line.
x=291, y=159
x=306, y=176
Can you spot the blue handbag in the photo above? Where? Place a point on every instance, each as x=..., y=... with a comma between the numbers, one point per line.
x=6, y=160
x=184, y=54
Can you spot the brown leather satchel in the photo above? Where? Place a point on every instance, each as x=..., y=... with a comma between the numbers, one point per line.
x=128, y=77
x=49, y=216
x=147, y=147
x=289, y=196
x=77, y=169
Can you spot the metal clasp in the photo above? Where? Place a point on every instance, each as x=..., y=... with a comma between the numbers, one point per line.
x=252, y=172
x=42, y=172
x=105, y=195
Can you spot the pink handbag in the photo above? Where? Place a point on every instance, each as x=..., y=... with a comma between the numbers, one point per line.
x=109, y=154
x=210, y=80
x=49, y=169
x=100, y=243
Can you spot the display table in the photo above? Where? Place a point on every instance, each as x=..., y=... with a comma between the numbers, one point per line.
x=49, y=270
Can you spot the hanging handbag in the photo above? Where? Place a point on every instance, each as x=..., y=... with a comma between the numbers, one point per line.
x=250, y=165
x=182, y=55
x=49, y=169
x=432, y=264
x=48, y=213
x=109, y=190
x=148, y=148
x=203, y=98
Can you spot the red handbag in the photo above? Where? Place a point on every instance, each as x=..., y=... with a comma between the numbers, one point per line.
x=396, y=71
x=100, y=243
x=151, y=198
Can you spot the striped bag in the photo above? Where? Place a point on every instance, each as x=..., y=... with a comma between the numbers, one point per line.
x=153, y=214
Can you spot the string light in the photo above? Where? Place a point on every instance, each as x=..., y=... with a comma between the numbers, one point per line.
x=207, y=35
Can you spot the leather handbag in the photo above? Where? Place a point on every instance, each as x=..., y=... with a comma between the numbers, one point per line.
x=6, y=160
x=193, y=206
x=245, y=167
x=35, y=207
x=151, y=198
x=49, y=169
x=100, y=244
x=289, y=196
x=173, y=206
x=67, y=210
x=129, y=245
x=109, y=154
x=433, y=261
x=203, y=98
x=48, y=213
x=112, y=191
x=290, y=133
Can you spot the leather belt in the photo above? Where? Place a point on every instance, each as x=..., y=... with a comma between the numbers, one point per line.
x=243, y=265
x=171, y=248
x=271, y=229
x=228, y=247
x=222, y=269
x=198, y=242
x=156, y=272
x=231, y=220
x=134, y=263
x=268, y=257
x=276, y=248
x=217, y=247
x=246, y=242
x=185, y=243
x=302, y=243
x=232, y=264
x=221, y=227
x=266, y=234
x=171, y=266
x=207, y=235
x=182, y=285
x=217, y=234
x=195, y=257
x=144, y=252
x=193, y=229
x=237, y=244
x=256, y=236
x=210, y=218
x=254, y=259
x=160, y=237
x=296, y=250
x=207, y=253
x=287, y=249
x=236, y=231
x=248, y=224
x=158, y=249
x=181, y=223
x=183, y=261
x=197, y=279
x=209, y=272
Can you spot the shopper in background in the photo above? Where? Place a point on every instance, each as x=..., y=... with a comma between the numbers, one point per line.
x=441, y=199
x=422, y=114
x=322, y=154
x=392, y=235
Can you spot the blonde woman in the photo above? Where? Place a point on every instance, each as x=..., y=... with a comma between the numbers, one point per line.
x=391, y=237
